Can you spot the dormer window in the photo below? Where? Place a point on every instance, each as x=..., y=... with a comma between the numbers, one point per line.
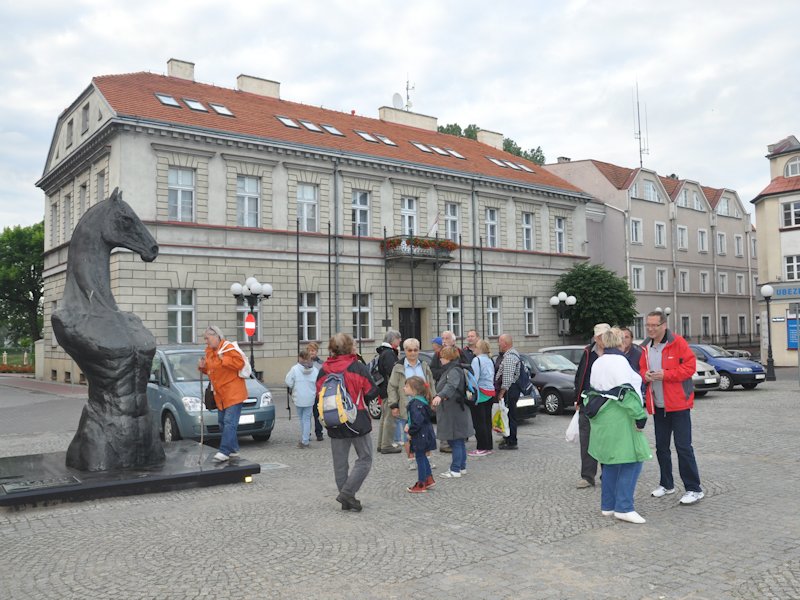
x=368, y=137
x=332, y=130
x=792, y=168
x=310, y=126
x=221, y=109
x=288, y=122
x=167, y=100
x=195, y=105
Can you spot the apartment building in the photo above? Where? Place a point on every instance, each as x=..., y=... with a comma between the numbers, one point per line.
x=239, y=182
x=682, y=245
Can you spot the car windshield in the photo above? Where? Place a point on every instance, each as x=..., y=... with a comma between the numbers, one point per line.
x=184, y=365
x=552, y=362
x=717, y=352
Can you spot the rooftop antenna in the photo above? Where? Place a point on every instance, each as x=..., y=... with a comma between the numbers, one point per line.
x=409, y=89
x=644, y=142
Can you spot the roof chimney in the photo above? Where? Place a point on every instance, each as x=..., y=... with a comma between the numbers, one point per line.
x=404, y=117
x=490, y=138
x=180, y=69
x=257, y=85
x=563, y=159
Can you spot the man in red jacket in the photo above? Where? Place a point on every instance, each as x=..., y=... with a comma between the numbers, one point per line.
x=667, y=365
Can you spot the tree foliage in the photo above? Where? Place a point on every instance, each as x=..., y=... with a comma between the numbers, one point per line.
x=21, y=264
x=535, y=155
x=603, y=297
x=470, y=132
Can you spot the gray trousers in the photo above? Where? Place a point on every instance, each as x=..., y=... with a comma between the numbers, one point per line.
x=385, y=428
x=588, y=463
x=349, y=481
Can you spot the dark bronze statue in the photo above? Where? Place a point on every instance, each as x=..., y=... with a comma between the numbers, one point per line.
x=113, y=348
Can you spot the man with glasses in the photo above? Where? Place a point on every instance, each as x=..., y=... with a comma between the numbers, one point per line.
x=667, y=366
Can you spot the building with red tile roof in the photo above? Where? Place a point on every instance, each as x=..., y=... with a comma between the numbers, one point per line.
x=239, y=182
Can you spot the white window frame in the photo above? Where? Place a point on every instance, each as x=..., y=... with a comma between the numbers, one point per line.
x=697, y=202
x=722, y=283
x=637, y=277
x=180, y=193
x=454, y=315
x=636, y=231
x=529, y=315
x=683, y=237
x=242, y=310
x=179, y=308
x=722, y=243
x=452, y=225
x=360, y=213
x=683, y=199
x=738, y=245
x=492, y=219
x=704, y=289
x=493, y=316
x=408, y=215
x=683, y=281
x=308, y=207
x=792, y=168
x=660, y=239
x=308, y=312
x=528, y=242
x=791, y=267
x=361, y=313
x=740, y=284
x=724, y=207
x=662, y=283
x=560, y=231
x=651, y=192
x=246, y=199
x=790, y=213
x=702, y=241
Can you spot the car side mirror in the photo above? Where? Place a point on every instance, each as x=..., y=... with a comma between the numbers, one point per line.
x=153, y=378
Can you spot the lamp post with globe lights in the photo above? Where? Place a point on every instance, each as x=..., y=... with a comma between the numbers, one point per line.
x=667, y=312
x=562, y=302
x=767, y=291
x=252, y=292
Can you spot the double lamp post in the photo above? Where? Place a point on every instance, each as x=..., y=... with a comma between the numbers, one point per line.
x=251, y=292
x=562, y=302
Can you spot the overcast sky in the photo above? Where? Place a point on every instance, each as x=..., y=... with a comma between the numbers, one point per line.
x=720, y=80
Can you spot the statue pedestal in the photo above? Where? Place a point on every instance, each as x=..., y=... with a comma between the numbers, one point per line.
x=39, y=478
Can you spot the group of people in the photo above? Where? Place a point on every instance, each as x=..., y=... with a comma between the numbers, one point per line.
x=618, y=384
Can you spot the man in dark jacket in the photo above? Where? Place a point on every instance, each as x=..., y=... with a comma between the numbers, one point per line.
x=343, y=359
x=591, y=353
x=387, y=358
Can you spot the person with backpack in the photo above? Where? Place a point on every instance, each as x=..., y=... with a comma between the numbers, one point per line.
x=302, y=383
x=346, y=380
x=382, y=366
x=481, y=405
x=420, y=430
x=313, y=351
x=223, y=362
x=453, y=420
x=507, y=371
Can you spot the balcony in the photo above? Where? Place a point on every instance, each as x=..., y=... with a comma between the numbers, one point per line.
x=418, y=249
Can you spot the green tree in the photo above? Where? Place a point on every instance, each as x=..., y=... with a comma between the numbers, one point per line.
x=21, y=264
x=534, y=155
x=603, y=297
x=470, y=132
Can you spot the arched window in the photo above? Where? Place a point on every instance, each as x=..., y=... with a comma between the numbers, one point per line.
x=792, y=168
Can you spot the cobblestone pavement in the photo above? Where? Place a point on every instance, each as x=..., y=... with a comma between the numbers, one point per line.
x=514, y=527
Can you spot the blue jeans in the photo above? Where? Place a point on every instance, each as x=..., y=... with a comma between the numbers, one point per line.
x=399, y=430
x=228, y=425
x=619, y=483
x=459, y=461
x=678, y=426
x=304, y=414
x=423, y=467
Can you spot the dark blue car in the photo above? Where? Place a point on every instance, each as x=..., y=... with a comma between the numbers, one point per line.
x=732, y=370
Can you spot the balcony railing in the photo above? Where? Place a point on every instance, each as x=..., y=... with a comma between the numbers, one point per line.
x=417, y=248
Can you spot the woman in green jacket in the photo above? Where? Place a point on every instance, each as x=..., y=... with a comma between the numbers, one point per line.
x=615, y=410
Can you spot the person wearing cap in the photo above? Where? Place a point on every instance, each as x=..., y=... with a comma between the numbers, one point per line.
x=582, y=377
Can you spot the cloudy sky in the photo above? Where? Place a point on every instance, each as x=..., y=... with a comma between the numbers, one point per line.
x=719, y=81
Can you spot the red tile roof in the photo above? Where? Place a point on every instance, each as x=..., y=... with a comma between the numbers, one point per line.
x=779, y=185
x=621, y=177
x=133, y=95
x=671, y=185
x=712, y=195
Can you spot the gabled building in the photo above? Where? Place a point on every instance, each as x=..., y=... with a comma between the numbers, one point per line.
x=239, y=182
x=778, y=218
x=682, y=246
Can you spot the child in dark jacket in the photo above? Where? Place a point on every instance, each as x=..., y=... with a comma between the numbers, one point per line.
x=420, y=430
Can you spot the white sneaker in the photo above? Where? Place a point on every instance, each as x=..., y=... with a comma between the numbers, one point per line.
x=234, y=455
x=451, y=475
x=662, y=491
x=220, y=457
x=692, y=497
x=463, y=471
x=606, y=513
x=630, y=517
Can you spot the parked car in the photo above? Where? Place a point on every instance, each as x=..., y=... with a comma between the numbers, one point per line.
x=732, y=371
x=739, y=353
x=175, y=399
x=571, y=353
x=705, y=379
x=554, y=376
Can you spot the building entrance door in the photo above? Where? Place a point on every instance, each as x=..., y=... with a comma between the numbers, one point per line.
x=411, y=323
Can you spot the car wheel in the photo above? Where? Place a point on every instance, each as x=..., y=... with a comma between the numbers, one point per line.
x=171, y=431
x=552, y=402
x=725, y=382
x=749, y=386
x=374, y=408
x=699, y=394
x=261, y=437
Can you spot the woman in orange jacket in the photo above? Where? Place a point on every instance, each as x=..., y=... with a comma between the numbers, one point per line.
x=222, y=364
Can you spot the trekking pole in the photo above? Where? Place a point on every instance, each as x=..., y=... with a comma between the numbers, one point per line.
x=288, y=402
x=202, y=420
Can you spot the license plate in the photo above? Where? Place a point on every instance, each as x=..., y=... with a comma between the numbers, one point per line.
x=710, y=381
x=761, y=376
x=247, y=419
x=526, y=402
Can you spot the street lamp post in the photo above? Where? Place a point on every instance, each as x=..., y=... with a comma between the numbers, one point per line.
x=562, y=302
x=667, y=312
x=767, y=291
x=251, y=292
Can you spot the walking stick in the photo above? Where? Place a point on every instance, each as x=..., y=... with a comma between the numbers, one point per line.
x=202, y=420
x=288, y=404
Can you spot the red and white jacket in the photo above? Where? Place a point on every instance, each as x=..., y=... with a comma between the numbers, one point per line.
x=679, y=365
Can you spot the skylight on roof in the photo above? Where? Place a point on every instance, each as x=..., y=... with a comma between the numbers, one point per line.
x=499, y=163
x=288, y=122
x=439, y=151
x=512, y=165
x=167, y=100
x=385, y=140
x=220, y=109
x=525, y=168
x=310, y=126
x=422, y=147
x=195, y=105
x=332, y=130
x=456, y=154
x=366, y=136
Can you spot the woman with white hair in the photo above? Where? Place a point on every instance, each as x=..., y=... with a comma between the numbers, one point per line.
x=222, y=363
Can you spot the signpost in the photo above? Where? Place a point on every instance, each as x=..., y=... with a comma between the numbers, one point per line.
x=250, y=325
